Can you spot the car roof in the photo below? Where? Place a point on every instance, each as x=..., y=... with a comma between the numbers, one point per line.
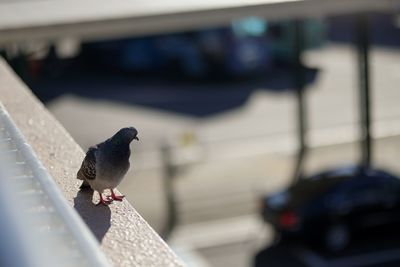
x=316, y=185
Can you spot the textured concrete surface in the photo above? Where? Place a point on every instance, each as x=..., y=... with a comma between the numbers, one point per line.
x=124, y=236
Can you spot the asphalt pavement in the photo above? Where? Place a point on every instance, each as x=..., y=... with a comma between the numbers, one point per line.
x=230, y=157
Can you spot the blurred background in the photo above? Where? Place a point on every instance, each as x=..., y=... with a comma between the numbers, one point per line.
x=217, y=116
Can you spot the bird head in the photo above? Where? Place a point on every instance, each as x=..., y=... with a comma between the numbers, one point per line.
x=125, y=135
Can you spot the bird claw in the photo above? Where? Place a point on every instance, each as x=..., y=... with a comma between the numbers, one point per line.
x=109, y=199
x=104, y=202
x=115, y=197
x=118, y=198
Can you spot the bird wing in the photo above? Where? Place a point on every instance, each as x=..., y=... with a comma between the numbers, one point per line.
x=88, y=167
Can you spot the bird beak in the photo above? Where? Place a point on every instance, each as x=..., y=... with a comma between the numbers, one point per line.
x=137, y=138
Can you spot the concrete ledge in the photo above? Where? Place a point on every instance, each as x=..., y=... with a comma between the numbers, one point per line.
x=124, y=236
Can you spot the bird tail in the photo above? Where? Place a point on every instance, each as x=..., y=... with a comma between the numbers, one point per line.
x=85, y=185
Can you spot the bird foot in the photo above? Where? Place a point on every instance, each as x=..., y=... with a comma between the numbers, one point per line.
x=104, y=202
x=117, y=198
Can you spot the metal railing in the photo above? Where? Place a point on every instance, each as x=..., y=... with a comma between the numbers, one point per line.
x=38, y=226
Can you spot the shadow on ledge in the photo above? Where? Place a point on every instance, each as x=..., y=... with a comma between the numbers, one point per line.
x=97, y=218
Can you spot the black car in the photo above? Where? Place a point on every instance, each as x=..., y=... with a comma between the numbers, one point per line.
x=330, y=207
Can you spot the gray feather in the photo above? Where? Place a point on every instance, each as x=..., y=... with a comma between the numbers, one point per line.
x=107, y=163
x=88, y=167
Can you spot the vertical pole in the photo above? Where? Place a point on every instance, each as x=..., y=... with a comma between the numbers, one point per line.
x=299, y=82
x=169, y=175
x=362, y=41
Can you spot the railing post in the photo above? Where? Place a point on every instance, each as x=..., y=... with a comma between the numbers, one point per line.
x=299, y=83
x=362, y=45
x=170, y=171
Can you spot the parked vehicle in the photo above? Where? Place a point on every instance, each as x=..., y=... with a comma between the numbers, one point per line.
x=249, y=47
x=331, y=207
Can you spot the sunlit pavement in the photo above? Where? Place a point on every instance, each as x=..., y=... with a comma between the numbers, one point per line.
x=242, y=153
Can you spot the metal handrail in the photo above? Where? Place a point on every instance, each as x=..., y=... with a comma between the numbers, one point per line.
x=46, y=230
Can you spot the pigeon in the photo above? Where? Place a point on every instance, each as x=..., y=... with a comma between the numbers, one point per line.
x=106, y=164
